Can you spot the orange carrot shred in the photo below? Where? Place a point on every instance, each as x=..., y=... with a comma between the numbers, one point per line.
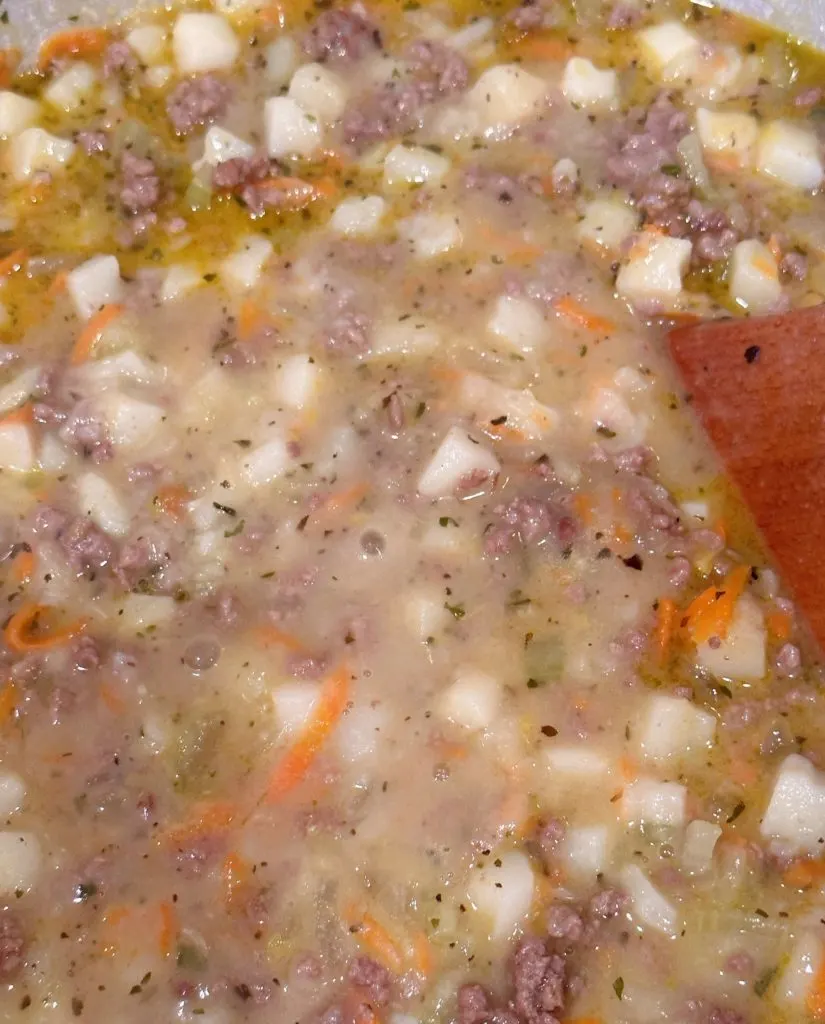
x=543, y=46
x=666, y=621
x=8, y=701
x=711, y=613
x=208, y=817
x=235, y=875
x=22, y=568
x=21, y=630
x=348, y=498
x=112, y=699
x=9, y=60
x=250, y=318
x=584, y=507
x=14, y=262
x=804, y=872
x=23, y=414
x=779, y=624
x=815, y=1001
x=271, y=636
x=172, y=500
x=422, y=955
x=296, y=762
x=377, y=940
x=58, y=284
x=92, y=332
x=73, y=42
x=575, y=311
x=168, y=928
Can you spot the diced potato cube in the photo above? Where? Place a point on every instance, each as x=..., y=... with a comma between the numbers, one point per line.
x=21, y=862
x=411, y=336
x=244, y=268
x=672, y=727
x=791, y=154
x=796, y=812
x=754, y=277
x=647, y=802
x=488, y=401
x=281, y=60
x=502, y=889
x=506, y=95
x=16, y=113
x=456, y=459
x=220, y=144
x=148, y=42
x=145, y=611
x=731, y=133
x=203, y=41
x=360, y=732
x=607, y=223
x=358, y=215
x=34, y=149
x=99, y=501
x=431, y=234
x=290, y=130
x=71, y=88
x=297, y=381
x=612, y=418
x=16, y=448
x=413, y=165
x=670, y=49
x=12, y=793
x=294, y=703
x=159, y=76
x=95, y=284
x=267, y=462
x=700, y=840
x=519, y=322
x=654, y=270
x=799, y=972
x=472, y=700
x=741, y=654
x=648, y=905
x=319, y=91
x=587, y=766
x=178, y=281
x=131, y=421
x=425, y=614
x=585, y=85
x=585, y=851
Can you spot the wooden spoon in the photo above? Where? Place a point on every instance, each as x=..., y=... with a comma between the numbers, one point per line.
x=758, y=386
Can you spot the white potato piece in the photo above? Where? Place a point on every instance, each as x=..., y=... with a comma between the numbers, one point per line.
x=297, y=381
x=98, y=500
x=178, y=281
x=670, y=50
x=458, y=457
x=148, y=42
x=697, y=850
x=16, y=113
x=34, y=149
x=319, y=91
x=202, y=41
x=654, y=269
x=586, y=850
x=648, y=802
x=790, y=153
x=579, y=762
x=506, y=95
x=519, y=322
x=359, y=733
x=413, y=165
x=267, y=462
x=131, y=421
x=126, y=365
x=585, y=85
x=610, y=415
x=754, y=277
x=502, y=890
x=70, y=89
x=606, y=223
x=282, y=58
x=94, y=284
x=17, y=448
x=409, y=336
x=159, y=76
x=472, y=700
x=431, y=234
x=799, y=970
x=142, y=611
x=648, y=905
x=358, y=216
x=489, y=401
x=290, y=130
x=673, y=727
x=741, y=654
x=294, y=704
x=425, y=613
x=21, y=862
x=19, y=388
x=54, y=456
x=219, y=144
x=243, y=269
x=12, y=793
x=728, y=132
x=796, y=812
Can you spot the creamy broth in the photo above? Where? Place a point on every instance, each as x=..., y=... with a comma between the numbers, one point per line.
x=383, y=642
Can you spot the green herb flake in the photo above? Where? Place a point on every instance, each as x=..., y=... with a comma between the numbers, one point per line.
x=235, y=530
x=618, y=987
x=534, y=684
x=763, y=982
x=672, y=170
x=734, y=814
x=189, y=957
x=604, y=431
x=456, y=610
x=447, y=521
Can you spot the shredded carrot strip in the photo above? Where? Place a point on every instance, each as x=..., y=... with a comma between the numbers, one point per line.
x=270, y=636
x=58, y=285
x=112, y=699
x=73, y=42
x=815, y=1001
x=348, y=498
x=13, y=262
x=666, y=622
x=168, y=928
x=628, y=768
x=804, y=872
x=9, y=60
x=622, y=534
x=742, y=772
x=250, y=318
x=172, y=500
x=779, y=625
x=298, y=193
x=91, y=333
x=235, y=875
x=584, y=507
x=296, y=762
x=8, y=701
x=22, y=568
x=514, y=247
x=208, y=817
x=20, y=632
x=711, y=613
x=422, y=955
x=374, y=937
x=576, y=312
x=23, y=414
x=543, y=47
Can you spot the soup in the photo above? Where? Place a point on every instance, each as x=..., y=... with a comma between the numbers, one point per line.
x=382, y=640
